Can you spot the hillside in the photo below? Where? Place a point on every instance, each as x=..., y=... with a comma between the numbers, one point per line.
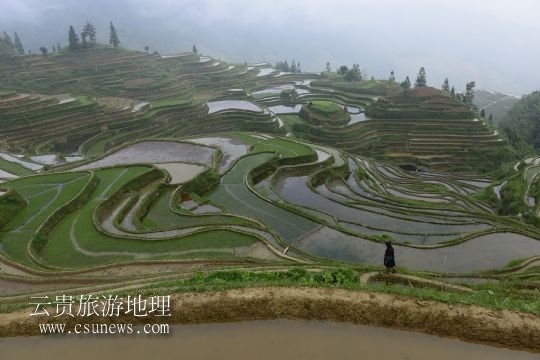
x=132, y=171
x=524, y=119
x=428, y=128
x=494, y=103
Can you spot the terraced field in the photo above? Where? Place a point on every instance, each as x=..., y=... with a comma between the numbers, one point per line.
x=283, y=201
x=135, y=168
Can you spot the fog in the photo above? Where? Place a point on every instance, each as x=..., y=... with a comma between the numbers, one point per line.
x=492, y=42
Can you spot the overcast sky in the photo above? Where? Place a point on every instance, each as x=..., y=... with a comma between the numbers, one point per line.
x=494, y=42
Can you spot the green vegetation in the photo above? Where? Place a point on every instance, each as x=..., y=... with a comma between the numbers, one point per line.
x=489, y=296
x=10, y=204
x=44, y=195
x=285, y=148
x=512, y=195
x=303, y=201
x=494, y=104
x=289, y=122
x=13, y=168
x=522, y=121
x=421, y=78
x=326, y=107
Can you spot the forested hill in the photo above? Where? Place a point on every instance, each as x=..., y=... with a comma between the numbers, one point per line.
x=523, y=119
x=494, y=104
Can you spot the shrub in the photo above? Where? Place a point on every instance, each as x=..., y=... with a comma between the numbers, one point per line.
x=10, y=204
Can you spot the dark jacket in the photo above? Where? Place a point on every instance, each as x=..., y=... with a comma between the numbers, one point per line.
x=389, y=260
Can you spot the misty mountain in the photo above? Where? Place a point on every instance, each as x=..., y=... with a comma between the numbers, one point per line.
x=494, y=103
x=461, y=40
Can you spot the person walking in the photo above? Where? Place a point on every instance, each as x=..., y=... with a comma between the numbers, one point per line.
x=389, y=259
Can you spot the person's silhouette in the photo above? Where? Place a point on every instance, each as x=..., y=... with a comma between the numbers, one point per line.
x=389, y=259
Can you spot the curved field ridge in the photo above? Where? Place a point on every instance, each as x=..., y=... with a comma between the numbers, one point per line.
x=224, y=105
x=466, y=322
x=154, y=152
x=486, y=252
x=231, y=147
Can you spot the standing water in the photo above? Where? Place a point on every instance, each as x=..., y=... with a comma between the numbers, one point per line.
x=279, y=339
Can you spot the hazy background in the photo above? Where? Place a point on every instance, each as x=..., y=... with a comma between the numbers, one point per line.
x=495, y=43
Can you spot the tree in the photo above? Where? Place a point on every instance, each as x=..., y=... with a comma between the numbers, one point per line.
x=421, y=78
x=293, y=66
x=328, y=66
x=73, y=39
x=7, y=39
x=18, y=44
x=44, y=51
x=342, y=70
x=392, y=77
x=446, y=86
x=194, y=49
x=483, y=113
x=469, y=92
x=490, y=117
x=6, y=48
x=113, y=37
x=283, y=66
x=453, y=92
x=406, y=84
x=53, y=49
x=146, y=48
x=89, y=30
x=352, y=75
x=298, y=68
x=58, y=47
x=84, y=42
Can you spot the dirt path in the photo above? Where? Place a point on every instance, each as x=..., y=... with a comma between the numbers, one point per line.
x=466, y=322
x=369, y=277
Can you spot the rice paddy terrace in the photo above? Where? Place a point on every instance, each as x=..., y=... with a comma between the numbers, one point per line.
x=120, y=169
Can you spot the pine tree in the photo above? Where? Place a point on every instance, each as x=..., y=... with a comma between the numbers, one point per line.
x=89, y=31
x=146, y=48
x=298, y=68
x=445, y=86
x=469, y=92
x=194, y=49
x=406, y=84
x=18, y=44
x=392, y=77
x=293, y=66
x=328, y=66
x=286, y=67
x=73, y=39
x=7, y=39
x=483, y=113
x=421, y=78
x=453, y=92
x=84, y=42
x=53, y=49
x=490, y=117
x=44, y=51
x=113, y=39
